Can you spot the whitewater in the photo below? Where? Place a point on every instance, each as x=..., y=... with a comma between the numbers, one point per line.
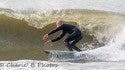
x=45, y=5
x=110, y=56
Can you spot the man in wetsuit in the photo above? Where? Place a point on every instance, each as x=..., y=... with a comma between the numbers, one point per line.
x=74, y=35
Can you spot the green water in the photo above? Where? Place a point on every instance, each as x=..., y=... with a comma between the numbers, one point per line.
x=22, y=38
x=21, y=41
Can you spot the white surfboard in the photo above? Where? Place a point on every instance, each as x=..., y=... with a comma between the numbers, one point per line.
x=61, y=55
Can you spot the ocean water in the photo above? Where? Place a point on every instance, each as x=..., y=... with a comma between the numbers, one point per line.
x=24, y=22
x=46, y=65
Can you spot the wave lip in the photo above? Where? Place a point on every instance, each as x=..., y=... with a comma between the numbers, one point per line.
x=46, y=5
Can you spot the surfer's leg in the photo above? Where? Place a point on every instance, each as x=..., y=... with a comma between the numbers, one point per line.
x=73, y=45
x=77, y=39
x=67, y=44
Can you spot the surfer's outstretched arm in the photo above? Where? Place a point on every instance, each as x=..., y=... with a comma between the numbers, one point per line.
x=55, y=30
x=61, y=36
x=45, y=37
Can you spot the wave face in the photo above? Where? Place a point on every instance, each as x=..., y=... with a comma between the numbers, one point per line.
x=23, y=23
x=21, y=32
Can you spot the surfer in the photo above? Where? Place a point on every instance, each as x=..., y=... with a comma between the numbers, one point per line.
x=75, y=35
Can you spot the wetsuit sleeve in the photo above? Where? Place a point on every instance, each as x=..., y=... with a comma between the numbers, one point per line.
x=61, y=36
x=55, y=30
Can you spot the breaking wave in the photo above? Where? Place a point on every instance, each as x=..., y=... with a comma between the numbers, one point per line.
x=23, y=30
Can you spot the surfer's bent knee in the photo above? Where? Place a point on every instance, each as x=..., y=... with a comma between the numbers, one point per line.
x=66, y=42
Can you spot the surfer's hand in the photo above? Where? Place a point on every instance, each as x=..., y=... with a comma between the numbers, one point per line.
x=45, y=37
x=48, y=42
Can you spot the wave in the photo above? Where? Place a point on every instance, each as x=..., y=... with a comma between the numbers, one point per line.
x=90, y=20
x=22, y=31
x=47, y=5
x=18, y=38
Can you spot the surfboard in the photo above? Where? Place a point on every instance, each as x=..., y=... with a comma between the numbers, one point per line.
x=59, y=53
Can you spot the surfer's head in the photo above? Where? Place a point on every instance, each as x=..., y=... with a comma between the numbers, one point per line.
x=59, y=23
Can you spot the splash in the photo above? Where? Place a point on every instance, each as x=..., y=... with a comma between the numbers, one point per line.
x=92, y=17
x=47, y=5
x=113, y=51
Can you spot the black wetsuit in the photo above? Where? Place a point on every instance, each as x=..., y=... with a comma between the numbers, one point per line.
x=74, y=36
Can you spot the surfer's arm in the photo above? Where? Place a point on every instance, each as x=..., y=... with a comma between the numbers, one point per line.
x=55, y=30
x=61, y=36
